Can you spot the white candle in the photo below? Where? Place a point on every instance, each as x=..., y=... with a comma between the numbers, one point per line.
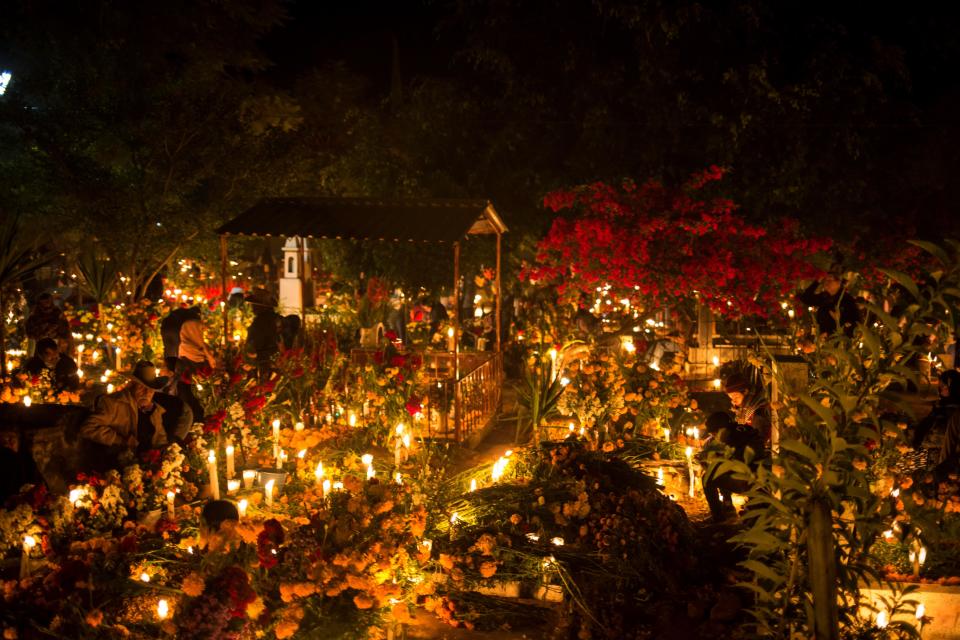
x=214, y=478
x=693, y=484
x=338, y=486
x=666, y=434
x=276, y=440
x=660, y=476
x=268, y=492
x=319, y=472
x=29, y=542
x=451, y=342
x=370, y=472
x=367, y=459
x=473, y=485
x=231, y=472
x=233, y=486
x=298, y=426
x=242, y=508
x=163, y=609
x=398, y=478
x=171, y=509
x=352, y=419
x=249, y=475
x=326, y=488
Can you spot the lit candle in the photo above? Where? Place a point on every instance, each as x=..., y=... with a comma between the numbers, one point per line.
x=298, y=426
x=29, y=542
x=171, y=509
x=27, y=401
x=242, y=508
x=370, y=472
x=249, y=475
x=233, y=486
x=666, y=434
x=660, y=476
x=338, y=486
x=451, y=343
x=693, y=483
x=214, y=479
x=352, y=419
x=398, y=478
x=319, y=472
x=367, y=459
x=163, y=609
x=473, y=485
x=230, y=470
x=268, y=492
x=325, y=487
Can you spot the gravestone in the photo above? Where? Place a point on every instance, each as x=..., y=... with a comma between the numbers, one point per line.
x=49, y=434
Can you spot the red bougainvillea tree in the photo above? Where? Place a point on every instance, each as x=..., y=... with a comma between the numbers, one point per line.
x=659, y=246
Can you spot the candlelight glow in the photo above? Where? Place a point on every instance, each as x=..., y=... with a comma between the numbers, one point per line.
x=367, y=459
x=163, y=609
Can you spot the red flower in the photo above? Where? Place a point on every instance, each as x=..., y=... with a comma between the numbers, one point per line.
x=214, y=422
x=268, y=543
x=398, y=361
x=390, y=335
x=414, y=405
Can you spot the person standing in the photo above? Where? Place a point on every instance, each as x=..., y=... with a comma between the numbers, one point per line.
x=193, y=353
x=264, y=332
x=47, y=321
x=834, y=306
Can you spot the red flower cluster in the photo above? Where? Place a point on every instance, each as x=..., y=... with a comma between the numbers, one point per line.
x=214, y=422
x=650, y=242
x=268, y=543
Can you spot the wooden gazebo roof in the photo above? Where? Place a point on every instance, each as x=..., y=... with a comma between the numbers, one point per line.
x=414, y=220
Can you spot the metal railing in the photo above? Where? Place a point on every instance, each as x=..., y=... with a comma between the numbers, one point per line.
x=455, y=409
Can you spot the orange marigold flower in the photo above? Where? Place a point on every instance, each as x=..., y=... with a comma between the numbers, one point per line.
x=487, y=569
x=94, y=618
x=362, y=601
x=193, y=584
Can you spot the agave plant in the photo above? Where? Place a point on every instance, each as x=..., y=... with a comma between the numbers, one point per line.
x=99, y=277
x=539, y=391
x=19, y=256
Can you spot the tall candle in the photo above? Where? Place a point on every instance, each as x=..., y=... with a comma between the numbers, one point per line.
x=319, y=472
x=214, y=479
x=276, y=440
x=163, y=609
x=29, y=542
x=693, y=484
x=451, y=342
x=268, y=492
x=370, y=472
x=230, y=470
x=242, y=508
x=326, y=488
x=171, y=509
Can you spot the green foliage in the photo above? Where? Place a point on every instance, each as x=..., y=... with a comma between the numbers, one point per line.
x=99, y=275
x=538, y=395
x=836, y=439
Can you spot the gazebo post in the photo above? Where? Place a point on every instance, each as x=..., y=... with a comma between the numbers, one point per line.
x=499, y=293
x=223, y=284
x=456, y=339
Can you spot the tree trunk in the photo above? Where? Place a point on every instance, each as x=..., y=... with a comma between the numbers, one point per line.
x=823, y=570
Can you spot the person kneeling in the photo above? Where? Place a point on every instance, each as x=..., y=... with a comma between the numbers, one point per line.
x=132, y=419
x=730, y=440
